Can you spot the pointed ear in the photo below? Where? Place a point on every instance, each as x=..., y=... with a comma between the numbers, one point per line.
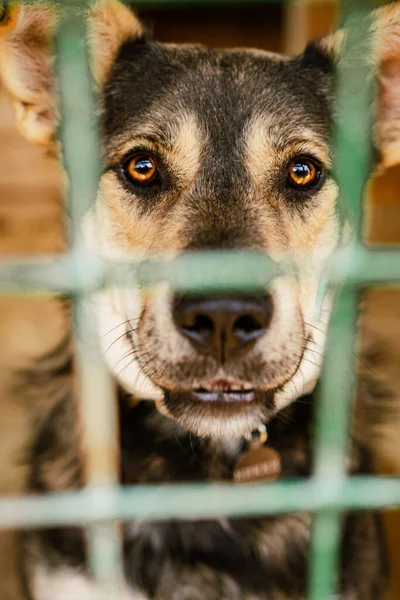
x=111, y=24
x=26, y=58
x=385, y=28
x=26, y=69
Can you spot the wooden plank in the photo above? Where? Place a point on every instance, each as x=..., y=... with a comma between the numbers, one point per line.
x=305, y=21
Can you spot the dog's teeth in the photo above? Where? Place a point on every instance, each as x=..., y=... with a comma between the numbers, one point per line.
x=226, y=389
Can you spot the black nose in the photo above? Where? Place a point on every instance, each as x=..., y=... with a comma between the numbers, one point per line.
x=225, y=326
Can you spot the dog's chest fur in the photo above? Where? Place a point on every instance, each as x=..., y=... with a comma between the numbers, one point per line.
x=207, y=560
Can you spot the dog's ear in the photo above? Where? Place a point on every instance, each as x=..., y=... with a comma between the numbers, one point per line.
x=26, y=58
x=385, y=28
x=26, y=69
x=111, y=24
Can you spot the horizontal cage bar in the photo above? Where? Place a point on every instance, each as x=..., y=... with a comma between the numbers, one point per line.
x=186, y=501
x=76, y=274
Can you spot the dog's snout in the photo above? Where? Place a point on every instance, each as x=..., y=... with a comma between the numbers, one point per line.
x=223, y=327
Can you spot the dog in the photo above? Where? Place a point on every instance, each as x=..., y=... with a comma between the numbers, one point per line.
x=203, y=149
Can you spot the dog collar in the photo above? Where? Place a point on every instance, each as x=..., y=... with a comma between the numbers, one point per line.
x=259, y=462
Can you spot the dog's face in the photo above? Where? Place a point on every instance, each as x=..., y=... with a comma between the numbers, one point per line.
x=208, y=149
x=214, y=149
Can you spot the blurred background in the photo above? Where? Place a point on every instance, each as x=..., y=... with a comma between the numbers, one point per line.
x=32, y=222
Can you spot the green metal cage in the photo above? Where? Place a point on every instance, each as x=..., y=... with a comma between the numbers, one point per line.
x=103, y=503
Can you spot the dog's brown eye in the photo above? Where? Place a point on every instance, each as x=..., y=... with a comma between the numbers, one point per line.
x=141, y=168
x=303, y=173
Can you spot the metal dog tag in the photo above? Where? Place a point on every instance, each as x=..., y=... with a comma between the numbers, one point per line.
x=259, y=463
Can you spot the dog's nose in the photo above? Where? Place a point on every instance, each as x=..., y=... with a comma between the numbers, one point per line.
x=223, y=327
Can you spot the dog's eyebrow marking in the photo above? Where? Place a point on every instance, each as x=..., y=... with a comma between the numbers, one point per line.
x=180, y=142
x=188, y=146
x=147, y=133
x=265, y=143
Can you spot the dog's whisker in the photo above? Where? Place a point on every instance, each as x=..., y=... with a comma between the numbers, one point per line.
x=310, y=341
x=120, y=337
x=130, y=351
x=356, y=355
x=114, y=328
x=177, y=438
x=135, y=356
x=192, y=447
x=310, y=362
x=135, y=353
x=315, y=327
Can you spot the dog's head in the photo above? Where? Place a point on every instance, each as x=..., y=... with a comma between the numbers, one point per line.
x=210, y=149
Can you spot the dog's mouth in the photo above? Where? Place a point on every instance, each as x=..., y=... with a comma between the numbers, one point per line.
x=224, y=391
x=220, y=409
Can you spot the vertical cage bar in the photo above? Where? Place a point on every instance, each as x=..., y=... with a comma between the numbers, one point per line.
x=80, y=146
x=334, y=413
x=354, y=114
x=352, y=166
x=336, y=390
x=326, y=532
